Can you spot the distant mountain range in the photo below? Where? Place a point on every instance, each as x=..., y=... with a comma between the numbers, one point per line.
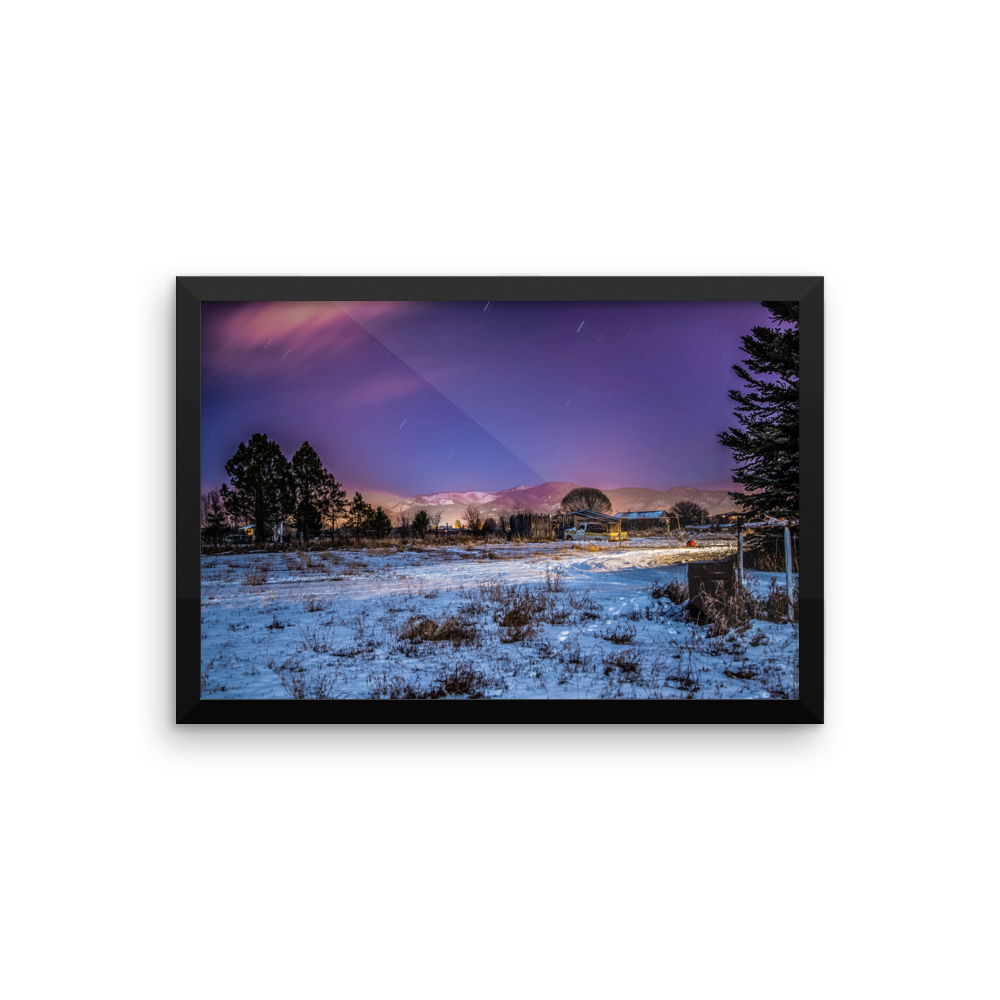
x=545, y=499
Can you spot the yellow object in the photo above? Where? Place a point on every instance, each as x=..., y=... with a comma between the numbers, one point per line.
x=581, y=533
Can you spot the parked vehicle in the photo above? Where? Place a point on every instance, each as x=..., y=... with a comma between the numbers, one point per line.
x=599, y=529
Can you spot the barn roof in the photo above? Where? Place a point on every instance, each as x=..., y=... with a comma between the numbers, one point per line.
x=594, y=514
x=643, y=513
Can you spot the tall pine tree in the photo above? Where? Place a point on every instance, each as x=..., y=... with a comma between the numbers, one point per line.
x=214, y=520
x=338, y=501
x=766, y=444
x=358, y=514
x=318, y=495
x=261, y=490
x=380, y=524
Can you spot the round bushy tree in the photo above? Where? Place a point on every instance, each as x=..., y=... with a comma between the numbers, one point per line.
x=586, y=498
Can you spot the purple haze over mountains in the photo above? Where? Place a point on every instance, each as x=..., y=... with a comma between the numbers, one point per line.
x=411, y=398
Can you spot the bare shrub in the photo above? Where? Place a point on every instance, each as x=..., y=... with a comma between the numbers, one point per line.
x=555, y=582
x=311, y=604
x=620, y=635
x=461, y=680
x=557, y=614
x=464, y=680
x=256, y=575
x=583, y=602
x=515, y=613
x=738, y=609
x=626, y=661
x=317, y=641
x=383, y=687
x=454, y=630
x=320, y=687
x=573, y=654
x=744, y=672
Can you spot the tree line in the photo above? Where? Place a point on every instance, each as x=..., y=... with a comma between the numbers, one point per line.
x=266, y=490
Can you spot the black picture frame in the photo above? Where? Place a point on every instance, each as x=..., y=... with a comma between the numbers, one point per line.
x=191, y=292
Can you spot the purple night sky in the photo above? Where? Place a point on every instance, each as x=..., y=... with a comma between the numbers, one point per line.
x=423, y=397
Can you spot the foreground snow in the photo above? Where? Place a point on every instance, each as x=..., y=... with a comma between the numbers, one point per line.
x=556, y=620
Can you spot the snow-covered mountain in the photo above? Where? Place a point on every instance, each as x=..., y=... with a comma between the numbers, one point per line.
x=545, y=499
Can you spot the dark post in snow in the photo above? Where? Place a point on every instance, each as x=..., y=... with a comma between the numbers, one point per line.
x=788, y=568
x=739, y=552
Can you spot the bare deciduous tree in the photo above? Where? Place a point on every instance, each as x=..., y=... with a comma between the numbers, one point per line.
x=586, y=498
x=474, y=516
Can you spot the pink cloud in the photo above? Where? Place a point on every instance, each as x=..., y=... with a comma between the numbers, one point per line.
x=302, y=327
x=381, y=390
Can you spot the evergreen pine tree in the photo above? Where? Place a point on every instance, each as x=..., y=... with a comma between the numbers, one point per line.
x=358, y=515
x=318, y=495
x=261, y=490
x=380, y=524
x=421, y=522
x=214, y=518
x=766, y=445
x=338, y=501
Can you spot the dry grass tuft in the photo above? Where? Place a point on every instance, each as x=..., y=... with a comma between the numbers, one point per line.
x=676, y=592
x=256, y=576
x=454, y=630
x=621, y=635
x=461, y=680
x=626, y=661
x=739, y=609
x=320, y=687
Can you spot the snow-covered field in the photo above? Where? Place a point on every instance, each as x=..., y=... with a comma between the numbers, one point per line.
x=546, y=620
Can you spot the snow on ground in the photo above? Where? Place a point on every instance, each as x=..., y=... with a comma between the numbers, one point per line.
x=545, y=620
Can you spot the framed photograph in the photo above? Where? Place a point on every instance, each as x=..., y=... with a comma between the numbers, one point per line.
x=500, y=500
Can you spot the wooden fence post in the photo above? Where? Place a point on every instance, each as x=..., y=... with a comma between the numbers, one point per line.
x=788, y=568
x=739, y=552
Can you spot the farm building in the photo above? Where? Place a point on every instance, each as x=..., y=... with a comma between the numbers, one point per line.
x=642, y=519
x=577, y=517
x=531, y=526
